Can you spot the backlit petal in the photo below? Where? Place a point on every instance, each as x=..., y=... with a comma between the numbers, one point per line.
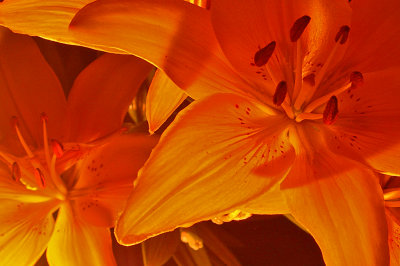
x=108, y=172
x=48, y=19
x=101, y=95
x=341, y=204
x=75, y=242
x=162, y=100
x=203, y=166
x=25, y=229
x=28, y=87
x=174, y=35
x=374, y=35
x=392, y=216
x=246, y=27
x=368, y=125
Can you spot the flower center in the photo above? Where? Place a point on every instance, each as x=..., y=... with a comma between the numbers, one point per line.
x=32, y=171
x=301, y=104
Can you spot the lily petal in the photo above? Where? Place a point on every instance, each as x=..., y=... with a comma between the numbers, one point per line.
x=203, y=166
x=162, y=100
x=341, y=204
x=108, y=172
x=158, y=250
x=25, y=229
x=48, y=19
x=74, y=242
x=392, y=216
x=246, y=27
x=374, y=35
x=101, y=95
x=174, y=35
x=368, y=128
x=28, y=87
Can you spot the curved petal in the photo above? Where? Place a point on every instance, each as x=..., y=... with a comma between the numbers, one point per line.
x=368, y=125
x=392, y=217
x=48, y=19
x=246, y=27
x=108, y=173
x=174, y=35
x=162, y=100
x=374, y=35
x=271, y=202
x=28, y=87
x=74, y=242
x=101, y=95
x=204, y=166
x=158, y=250
x=25, y=229
x=341, y=204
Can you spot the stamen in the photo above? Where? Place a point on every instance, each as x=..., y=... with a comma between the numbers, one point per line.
x=16, y=172
x=306, y=92
x=308, y=116
x=192, y=239
x=39, y=178
x=331, y=111
x=298, y=28
x=58, y=149
x=14, y=121
x=342, y=34
x=356, y=79
x=263, y=55
x=280, y=93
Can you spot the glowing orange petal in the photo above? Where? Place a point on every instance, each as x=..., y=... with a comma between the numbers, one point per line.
x=158, y=250
x=28, y=87
x=162, y=100
x=340, y=204
x=203, y=166
x=176, y=36
x=101, y=95
x=392, y=217
x=48, y=19
x=25, y=229
x=271, y=202
x=368, y=125
x=245, y=28
x=108, y=172
x=74, y=242
x=374, y=35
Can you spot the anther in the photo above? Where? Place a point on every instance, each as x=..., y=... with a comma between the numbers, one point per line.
x=356, y=79
x=342, y=34
x=58, y=148
x=39, y=178
x=331, y=111
x=15, y=172
x=298, y=28
x=280, y=93
x=264, y=54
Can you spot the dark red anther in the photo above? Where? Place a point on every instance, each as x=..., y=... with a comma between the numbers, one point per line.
x=342, y=34
x=264, y=54
x=280, y=93
x=331, y=111
x=356, y=79
x=58, y=148
x=298, y=28
x=15, y=172
x=39, y=178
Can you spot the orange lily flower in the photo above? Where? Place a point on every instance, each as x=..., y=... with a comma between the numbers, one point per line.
x=313, y=106
x=64, y=155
